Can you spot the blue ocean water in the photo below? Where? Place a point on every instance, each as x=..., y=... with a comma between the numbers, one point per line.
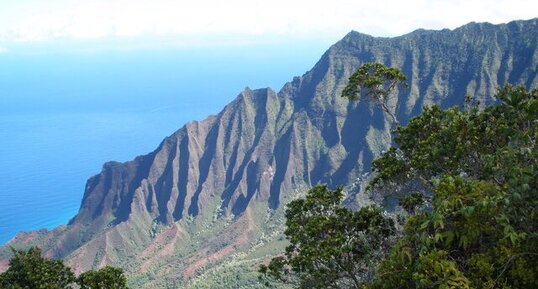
x=63, y=114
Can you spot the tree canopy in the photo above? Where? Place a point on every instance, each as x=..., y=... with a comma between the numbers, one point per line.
x=468, y=183
x=105, y=278
x=478, y=172
x=331, y=246
x=28, y=269
x=377, y=82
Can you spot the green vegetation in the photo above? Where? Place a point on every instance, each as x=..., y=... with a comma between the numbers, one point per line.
x=238, y=269
x=331, y=246
x=107, y=277
x=376, y=82
x=478, y=172
x=467, y=182
x=30, y=270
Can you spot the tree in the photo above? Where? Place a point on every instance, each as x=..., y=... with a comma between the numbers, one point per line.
x=375, y=81
x=105, y=278
x=469, y=183
x=331, y=246
x=478, y=169
x=28, y=269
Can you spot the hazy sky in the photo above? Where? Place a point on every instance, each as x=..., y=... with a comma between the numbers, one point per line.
x=23, y=21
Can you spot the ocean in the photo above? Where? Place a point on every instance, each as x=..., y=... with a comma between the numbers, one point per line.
x=64, y=114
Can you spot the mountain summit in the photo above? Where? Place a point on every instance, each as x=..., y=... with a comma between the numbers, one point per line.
x=207, y=204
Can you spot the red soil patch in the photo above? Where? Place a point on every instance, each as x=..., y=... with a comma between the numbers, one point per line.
x=163, y=245
x=201, y=259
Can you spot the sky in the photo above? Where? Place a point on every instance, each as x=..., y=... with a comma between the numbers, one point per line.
x=215, y=22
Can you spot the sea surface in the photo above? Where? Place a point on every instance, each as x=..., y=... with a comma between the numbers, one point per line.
x=64, y=114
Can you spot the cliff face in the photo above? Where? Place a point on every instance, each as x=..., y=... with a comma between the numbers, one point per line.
x=210, y=197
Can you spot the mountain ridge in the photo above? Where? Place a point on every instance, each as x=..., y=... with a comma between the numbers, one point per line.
x=214, y=189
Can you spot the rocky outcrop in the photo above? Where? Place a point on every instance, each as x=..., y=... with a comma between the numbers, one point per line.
x=215, y=187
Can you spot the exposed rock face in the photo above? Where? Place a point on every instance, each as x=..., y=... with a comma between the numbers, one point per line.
x=216, y=187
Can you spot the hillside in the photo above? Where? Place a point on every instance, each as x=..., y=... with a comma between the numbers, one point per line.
x=206, y=205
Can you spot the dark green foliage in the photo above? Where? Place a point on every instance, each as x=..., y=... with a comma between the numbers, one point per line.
x=376, y=81
x=331, y=246
x=453, y=142
x=105, y=278
x=472, y=220
x=481, y=169
x=411, y=202
x=29, y=270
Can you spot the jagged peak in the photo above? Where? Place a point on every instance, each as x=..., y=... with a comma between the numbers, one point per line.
x=251, y=94
x=354, y=35
x=111, y=164
x=249, y=91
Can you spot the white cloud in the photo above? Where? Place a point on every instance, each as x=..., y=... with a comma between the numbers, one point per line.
x=34, y=20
